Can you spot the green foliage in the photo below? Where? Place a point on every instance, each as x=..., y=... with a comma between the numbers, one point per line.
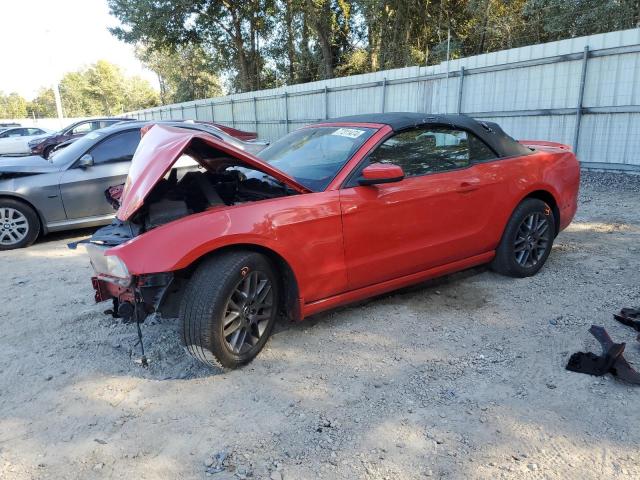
x=230, y=31
x=44, y=105
x=12, y=106
x=354, y=63
x=263, y=43
x=102, y=89
x=185, y=73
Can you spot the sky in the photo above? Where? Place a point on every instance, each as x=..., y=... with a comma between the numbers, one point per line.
x=41, y=40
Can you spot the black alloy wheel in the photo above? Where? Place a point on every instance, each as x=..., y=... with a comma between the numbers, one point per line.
x=532, y=239
x=248, y=311
x=527, y=239
x=229, y=308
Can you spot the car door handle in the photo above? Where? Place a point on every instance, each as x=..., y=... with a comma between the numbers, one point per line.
x=468, y=187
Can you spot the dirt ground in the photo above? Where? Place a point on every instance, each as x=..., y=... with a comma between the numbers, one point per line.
x=459, y=378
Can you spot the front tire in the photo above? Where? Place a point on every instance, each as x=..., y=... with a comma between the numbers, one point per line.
x=19, y=224
x=229, y=308
x=527, y=240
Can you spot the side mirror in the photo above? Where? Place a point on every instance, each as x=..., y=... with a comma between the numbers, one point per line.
x=381, y=173
x=85, y=161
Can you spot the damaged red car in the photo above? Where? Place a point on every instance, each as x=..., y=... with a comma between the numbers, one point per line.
x=332, y=213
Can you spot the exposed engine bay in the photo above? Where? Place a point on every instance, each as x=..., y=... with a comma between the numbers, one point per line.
x=183, y=193
x=192, y=186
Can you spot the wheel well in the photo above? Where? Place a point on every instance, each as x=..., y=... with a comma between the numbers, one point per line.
x=550, y=200
x=30, y=205
x=290, y=301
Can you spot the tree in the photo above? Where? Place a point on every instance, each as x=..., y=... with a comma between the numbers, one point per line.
x=231, y=31
x=256, y=44
x=105, y=88
x=102, y=89
x=184, y=74
x=556, y=19
x=44, y=105
x=12, y=106
x=139, y=94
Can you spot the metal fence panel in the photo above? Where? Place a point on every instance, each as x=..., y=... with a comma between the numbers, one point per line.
x=582, y=91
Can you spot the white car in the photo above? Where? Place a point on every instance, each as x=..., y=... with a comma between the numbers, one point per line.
x=15, y=141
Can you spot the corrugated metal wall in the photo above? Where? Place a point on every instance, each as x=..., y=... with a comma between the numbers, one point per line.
x=585, y=89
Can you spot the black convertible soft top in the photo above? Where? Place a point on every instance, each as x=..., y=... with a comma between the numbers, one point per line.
x=490, y=132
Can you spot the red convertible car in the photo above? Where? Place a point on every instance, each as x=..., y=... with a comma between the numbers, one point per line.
x=332, y=213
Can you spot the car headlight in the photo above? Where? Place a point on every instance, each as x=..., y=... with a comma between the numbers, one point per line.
x=108, y=267
x=33, y=143
x=117, y=268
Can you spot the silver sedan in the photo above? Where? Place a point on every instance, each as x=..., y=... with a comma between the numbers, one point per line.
x=38, y=196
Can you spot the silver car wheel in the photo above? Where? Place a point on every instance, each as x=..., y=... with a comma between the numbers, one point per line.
x=14, y=226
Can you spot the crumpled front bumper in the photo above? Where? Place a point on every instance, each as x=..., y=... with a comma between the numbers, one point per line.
x=106, y=291
x=145, y=294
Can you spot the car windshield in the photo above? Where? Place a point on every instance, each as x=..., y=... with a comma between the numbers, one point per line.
x=314, y=156
x=76, y=149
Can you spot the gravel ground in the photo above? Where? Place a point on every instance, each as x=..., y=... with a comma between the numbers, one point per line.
x=458, y=378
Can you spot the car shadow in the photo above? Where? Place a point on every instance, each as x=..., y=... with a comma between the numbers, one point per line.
x=427, y=286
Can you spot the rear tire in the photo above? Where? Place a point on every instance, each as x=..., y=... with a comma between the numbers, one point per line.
x=19, y=224
x=527, y=240
x=229, y=308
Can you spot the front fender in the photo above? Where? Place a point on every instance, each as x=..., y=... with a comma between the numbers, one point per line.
x=304, y=230
x=177, y=245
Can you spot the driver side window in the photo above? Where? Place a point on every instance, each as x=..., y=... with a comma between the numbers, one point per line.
x=119, y=147
x=425, y=150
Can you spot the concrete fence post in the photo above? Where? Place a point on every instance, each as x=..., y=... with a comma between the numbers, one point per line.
x=326, y=103
x=255, y=113
x=460, y=88
x=286, y=111
x=384, y=93
x=583, y=77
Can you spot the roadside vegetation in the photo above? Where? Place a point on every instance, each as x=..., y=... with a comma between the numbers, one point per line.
x=100, y=89
x=259, y=44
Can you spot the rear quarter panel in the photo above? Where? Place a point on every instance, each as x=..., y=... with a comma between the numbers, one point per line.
x=552, y=170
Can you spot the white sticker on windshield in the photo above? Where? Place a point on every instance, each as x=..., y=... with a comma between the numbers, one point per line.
x=348, y=132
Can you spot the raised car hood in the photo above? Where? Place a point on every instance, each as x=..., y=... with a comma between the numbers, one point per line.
x=31, y=164
x=161, y=146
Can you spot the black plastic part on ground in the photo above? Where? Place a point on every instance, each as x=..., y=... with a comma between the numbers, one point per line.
x=629, y=317
x=611, y=361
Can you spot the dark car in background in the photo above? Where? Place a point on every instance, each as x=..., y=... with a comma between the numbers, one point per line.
x=45, y=146
x=38, y=196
